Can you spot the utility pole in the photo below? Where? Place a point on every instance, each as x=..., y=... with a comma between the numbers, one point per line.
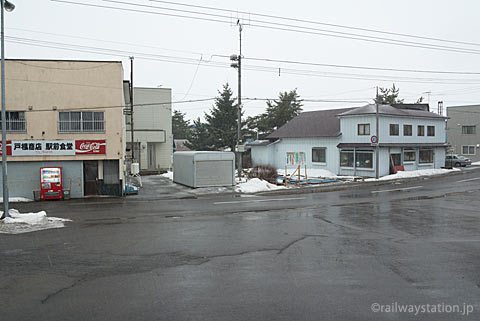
x=238, y=64
x=8, y=6
x=132, y=145
x=377, y=149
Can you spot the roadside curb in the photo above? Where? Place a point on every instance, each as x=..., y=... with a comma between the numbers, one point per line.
x=329, y=187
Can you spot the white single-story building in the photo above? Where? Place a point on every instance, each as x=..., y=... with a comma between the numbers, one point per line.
x=410, y=137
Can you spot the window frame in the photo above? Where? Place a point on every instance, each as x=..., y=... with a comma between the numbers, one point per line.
x=364, y=127
x=469, y=147
x=428, y=131
x=354, y=158
x=324, y=149
x=348, y=160
x=426, y=162
x=421, y=130
x=465, y=129
x=364, y=152
x=409, y=159
x=405, y=126
x=88, y=121
x=17, y=121
x=395, y=131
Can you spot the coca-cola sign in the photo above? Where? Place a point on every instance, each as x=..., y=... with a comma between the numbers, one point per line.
x=90, y=147
x=9, y=147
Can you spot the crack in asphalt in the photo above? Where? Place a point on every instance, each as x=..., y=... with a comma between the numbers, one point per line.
x=190, y=260
x=49, y=296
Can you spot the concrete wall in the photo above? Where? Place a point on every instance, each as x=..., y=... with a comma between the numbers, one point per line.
x=153, y=124
x=464, y=116
x=43, y=88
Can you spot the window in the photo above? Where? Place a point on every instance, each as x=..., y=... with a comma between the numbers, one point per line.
x=468, y=150
x=394, y=129
x=407, y=130
x=430, y=130
x=409, y=156
x=469, y=130
x=421, y=130
x=15, y=121
x=363, y=129
x=425, y=156
x=319, y=155
x=346, y=158
x=81, y=121
x=363, y=159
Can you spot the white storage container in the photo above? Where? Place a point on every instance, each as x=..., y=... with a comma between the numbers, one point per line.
x=204, y=169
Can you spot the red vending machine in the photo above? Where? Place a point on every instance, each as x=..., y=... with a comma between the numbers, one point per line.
x=51, y=183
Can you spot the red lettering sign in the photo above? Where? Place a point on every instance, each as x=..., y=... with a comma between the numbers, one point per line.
x=9, y=148
x=90, y=147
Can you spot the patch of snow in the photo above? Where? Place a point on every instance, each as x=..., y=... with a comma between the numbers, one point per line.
x=29, y=222
x=476, y=164
x=168, y=175
x=16, y=199
x=256, y=185
x=417, y=173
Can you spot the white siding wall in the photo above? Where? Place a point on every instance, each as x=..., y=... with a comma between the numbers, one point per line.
x=276, y=154
x=349, y=124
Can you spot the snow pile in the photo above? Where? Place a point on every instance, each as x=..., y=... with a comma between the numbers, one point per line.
x=16, y=199
x=168, y=175
x=417, y=173
x=256, y=185
x=29, y=222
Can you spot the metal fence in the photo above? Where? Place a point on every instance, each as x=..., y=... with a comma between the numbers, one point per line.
x=93, y=122
x=15, y=125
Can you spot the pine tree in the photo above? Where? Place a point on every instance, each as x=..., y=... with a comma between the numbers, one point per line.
x=222, y=120
x=198, y=137
x=180, y=126
x=389, y=96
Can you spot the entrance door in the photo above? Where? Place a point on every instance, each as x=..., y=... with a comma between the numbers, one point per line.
x=152, y=157
x=90, y=177
x=395, y=160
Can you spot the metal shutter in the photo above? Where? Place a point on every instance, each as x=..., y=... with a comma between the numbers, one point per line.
x=214, y=173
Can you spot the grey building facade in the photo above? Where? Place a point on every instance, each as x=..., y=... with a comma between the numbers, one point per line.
x=462, y=131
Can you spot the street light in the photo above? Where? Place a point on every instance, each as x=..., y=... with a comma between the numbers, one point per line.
x=8, y=6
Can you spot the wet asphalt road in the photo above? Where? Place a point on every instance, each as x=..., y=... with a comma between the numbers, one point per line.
x=308, y=256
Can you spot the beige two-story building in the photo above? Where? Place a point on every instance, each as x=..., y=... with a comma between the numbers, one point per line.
x=69, y=114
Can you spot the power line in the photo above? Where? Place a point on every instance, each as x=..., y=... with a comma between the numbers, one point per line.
x=104, y=40
x=336, y=34
x=320, y=23
x=283, y=26
x=192, y=61
x=360, y=67
x=63, y=108
x=18, y=39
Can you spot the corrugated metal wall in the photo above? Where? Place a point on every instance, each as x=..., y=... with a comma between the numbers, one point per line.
x=24, y=177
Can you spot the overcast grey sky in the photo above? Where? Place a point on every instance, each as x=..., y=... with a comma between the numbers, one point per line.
x=191, y=55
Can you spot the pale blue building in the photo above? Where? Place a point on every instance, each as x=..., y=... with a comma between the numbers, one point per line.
x=410, y=137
